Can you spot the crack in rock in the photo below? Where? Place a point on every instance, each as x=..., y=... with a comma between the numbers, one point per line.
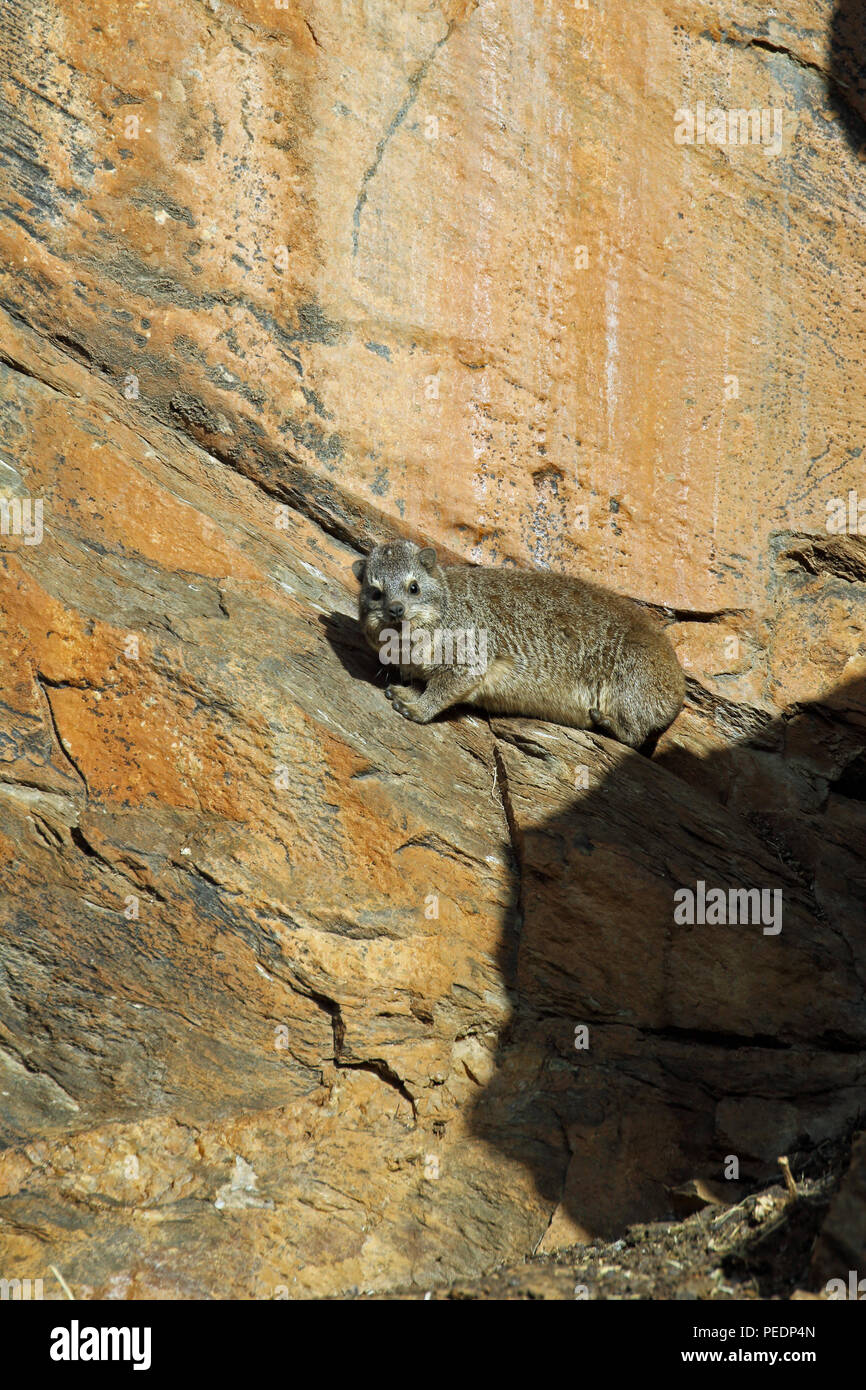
x=408, y=102
x=44, y=683
x=833, y=84
x=376, y=1065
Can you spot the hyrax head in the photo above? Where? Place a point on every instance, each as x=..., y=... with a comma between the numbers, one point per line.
x=400, y=583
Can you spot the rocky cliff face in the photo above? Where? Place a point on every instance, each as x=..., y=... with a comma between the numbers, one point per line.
x=296, y=997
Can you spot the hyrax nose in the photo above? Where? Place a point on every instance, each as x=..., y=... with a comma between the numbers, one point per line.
x=395, y=610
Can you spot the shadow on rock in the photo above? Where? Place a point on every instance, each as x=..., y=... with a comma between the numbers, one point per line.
x=662, y=1032
x=848, y=68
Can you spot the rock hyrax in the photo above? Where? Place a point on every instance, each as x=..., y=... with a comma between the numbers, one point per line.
x=542, y=645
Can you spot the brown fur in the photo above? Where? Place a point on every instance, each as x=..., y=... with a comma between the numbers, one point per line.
x=558, y=648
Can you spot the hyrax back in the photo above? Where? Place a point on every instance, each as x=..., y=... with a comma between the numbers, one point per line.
x=546, y=646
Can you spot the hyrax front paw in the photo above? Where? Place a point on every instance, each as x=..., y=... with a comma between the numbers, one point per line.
x=410, y=709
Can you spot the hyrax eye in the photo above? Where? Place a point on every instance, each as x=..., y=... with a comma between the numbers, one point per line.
x=413, y=587
x=374, y=593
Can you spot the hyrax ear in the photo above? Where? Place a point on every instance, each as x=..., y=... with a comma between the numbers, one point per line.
x=358, y=567
x=427, y=557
